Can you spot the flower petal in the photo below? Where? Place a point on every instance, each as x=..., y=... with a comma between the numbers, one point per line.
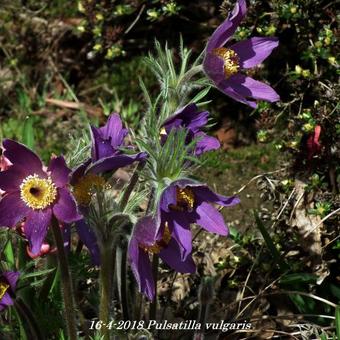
x=65, y=209
x=101, y=148
x=115, y=162
x=203, y=193
x=35, y=227
x=171, y=255
x=12, y=278
x=253, y=51
x=224, y=32
x=145, y=231
x=210, y=219
x=12, y=210
x=11, y=179
x=59, y=171
x=205, y=143
x=249, y=87
x=79, y=172
x=113, y=130
x=179, y=224
x=88, y=237
x=226, y=87
x=141, y=268
x=213, y=66
x=20, y=155
x=5, y=301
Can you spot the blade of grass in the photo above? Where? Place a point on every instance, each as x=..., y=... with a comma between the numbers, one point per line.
x=337, y=321
x=270, y=244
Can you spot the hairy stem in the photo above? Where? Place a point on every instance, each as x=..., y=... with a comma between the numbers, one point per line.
x=153, y=305
x=106, y=281
x=67, y=289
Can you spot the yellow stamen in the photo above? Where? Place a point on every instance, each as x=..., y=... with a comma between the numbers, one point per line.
x=38, y=193
x=3, y=289
x=86, y=187
x=185, y=199
x=230, y=58
x=159, y=245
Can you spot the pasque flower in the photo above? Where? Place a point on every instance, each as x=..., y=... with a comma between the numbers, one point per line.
x=185, y=202
x=193, y=121
x=34, y=194
x=86, y=179
x=8, y=282
x=144, y=242
x=168, y=233
x=224, y=61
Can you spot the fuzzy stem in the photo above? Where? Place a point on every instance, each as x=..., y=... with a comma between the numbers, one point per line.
x=106, y=280
x=153, y=305
x=67, y=289
x=131, y=186
x=121, y=258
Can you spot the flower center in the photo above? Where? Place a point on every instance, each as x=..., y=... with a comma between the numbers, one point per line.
x=3, y=289
x=86, y=187
x=230, y=58
x=185, y=200
x=38, y=193
x=158, y=245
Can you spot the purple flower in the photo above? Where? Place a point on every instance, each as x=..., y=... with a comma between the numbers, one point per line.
x=144, y=242
x=34, y=194
x=86, y=178
x=185, y=202
x=105, y=153
x=223, y=62
x=8, y=282
x=192, y=120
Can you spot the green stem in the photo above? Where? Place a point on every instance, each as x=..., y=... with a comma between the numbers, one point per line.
x=67, y=289
x=153, y=305
x=106, y=280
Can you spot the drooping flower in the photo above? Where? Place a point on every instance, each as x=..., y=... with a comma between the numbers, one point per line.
x=8, y=282
x=87, y=178
x=185, y=202
x=224, y=61
x=193, y=121
x=144, y=241
x=34, y=194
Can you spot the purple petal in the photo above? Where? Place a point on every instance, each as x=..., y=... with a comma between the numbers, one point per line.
x=203, y=193
x=213, y=66
x=65, y=209
x=20, y=155
x=59, y=171
x=113, y=130
x=253, y=51
x=6, y=301
x=145, y=231
x=210, y=219
x=88, y=237
x=79, y=172
x=188, y=117
x=249, y=87
x=224, y=32
x=168, y=197
x=12, y=210
x=182, y=234
x=12, y=278
x=11, y=179
x=171, y=255
x=36, y=225
x=226, y=87
x=205, y=143
x=115, y=162
x=101, y=148
x=141, y=268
